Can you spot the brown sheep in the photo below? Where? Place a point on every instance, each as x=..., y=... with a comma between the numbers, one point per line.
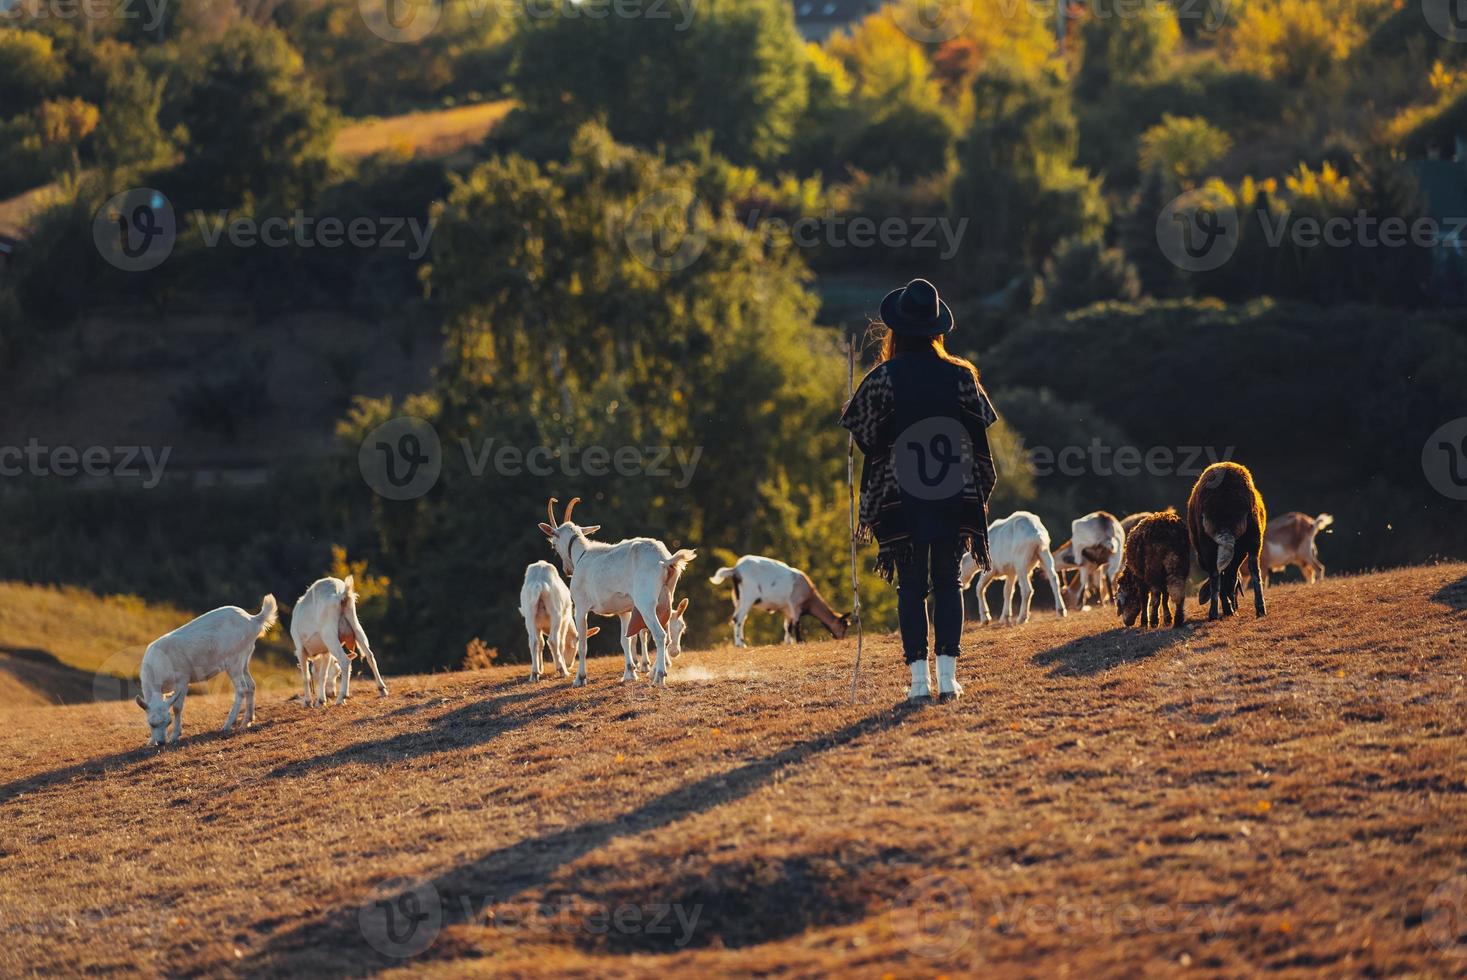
x=1158, y=561
x=1131, y=520
x=1226, y=517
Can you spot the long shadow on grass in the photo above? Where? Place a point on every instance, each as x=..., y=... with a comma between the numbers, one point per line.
x=476, y=722
x=1090, y=655
x=340, y=944
x=108, y=764
x=1454, y=595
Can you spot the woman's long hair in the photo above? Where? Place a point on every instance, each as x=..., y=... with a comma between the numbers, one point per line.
x=893, y=343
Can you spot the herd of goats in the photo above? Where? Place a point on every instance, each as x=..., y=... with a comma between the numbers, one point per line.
x=1140, y=564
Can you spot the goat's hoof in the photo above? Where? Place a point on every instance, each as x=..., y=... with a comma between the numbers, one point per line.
x=628, y=676
x=382, y=692
x=659, y=679
x=579, y=682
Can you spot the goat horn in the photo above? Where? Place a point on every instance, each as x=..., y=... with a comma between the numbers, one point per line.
x=550, y=509
x=570, y=507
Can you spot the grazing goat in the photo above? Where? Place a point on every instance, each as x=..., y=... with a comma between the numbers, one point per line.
x=1226, y=517
x=1289, y=540
x=1017, y=545
x=327, y=637
x=677, y=627
x=1094, y=552
x=771, y=585
x=1158, y=561
x=637, y=576
x=545, y=604
x=219, y=641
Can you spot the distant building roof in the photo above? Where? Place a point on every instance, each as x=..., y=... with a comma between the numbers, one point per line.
x=816, y=19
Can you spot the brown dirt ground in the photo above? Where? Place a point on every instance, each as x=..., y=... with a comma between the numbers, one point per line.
x=1282, y=795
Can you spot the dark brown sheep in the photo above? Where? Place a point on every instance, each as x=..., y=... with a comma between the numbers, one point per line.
x=1226, y=517
x=1158, y=561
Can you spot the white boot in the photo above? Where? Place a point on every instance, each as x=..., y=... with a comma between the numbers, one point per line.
x=948, y=688
x=921, y=689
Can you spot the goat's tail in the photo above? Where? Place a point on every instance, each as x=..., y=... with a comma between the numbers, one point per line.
x=349, y=611
x=722, y=575
x=1227, y=543
x=268, y=615
x=672, y=566
x=1323, y=523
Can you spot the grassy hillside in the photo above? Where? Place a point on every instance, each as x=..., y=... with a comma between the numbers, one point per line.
x=71, y=646
x=435, y=133
x=1284, y=794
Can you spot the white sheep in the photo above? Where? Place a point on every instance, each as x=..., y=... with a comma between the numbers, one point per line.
x=636, y=576
x=770, y=584
x=545, y=604
x=220, y=641
x=1016, y=545
x=327, y=635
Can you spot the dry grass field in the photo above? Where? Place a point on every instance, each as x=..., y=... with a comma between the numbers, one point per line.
x=433, y=133
x=71, y=646
x=1284, y=795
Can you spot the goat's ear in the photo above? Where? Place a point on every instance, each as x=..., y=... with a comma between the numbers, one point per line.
x=592, y=631
x=141, y=703
x=351, y=581
x=682, y=607
x=547, y=529
x=591, y=530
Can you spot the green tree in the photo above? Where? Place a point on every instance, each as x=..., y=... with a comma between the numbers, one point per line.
x=1082, y=272
x=1184, y=148
x=30, y=70
x=256, y=125
x=1125, y=44
x=736, y=70
x=1018, y=184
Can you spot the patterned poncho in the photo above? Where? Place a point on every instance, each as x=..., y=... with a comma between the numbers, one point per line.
x=905, y=400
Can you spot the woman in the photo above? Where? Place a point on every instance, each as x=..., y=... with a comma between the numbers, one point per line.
x=921, y=419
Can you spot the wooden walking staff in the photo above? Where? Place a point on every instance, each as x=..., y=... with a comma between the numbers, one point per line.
x=851, y=487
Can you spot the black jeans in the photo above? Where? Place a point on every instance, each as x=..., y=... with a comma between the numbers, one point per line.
x=941, y=558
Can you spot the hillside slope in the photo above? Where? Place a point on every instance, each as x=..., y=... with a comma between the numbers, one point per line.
x=1284, y=794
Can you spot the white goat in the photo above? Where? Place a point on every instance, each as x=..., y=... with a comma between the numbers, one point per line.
x=1016, y=546
x=219, y=641
x=327, y=635
x=545, y=604
x=1098, y=545
x=637, y=576
x=771, y=585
